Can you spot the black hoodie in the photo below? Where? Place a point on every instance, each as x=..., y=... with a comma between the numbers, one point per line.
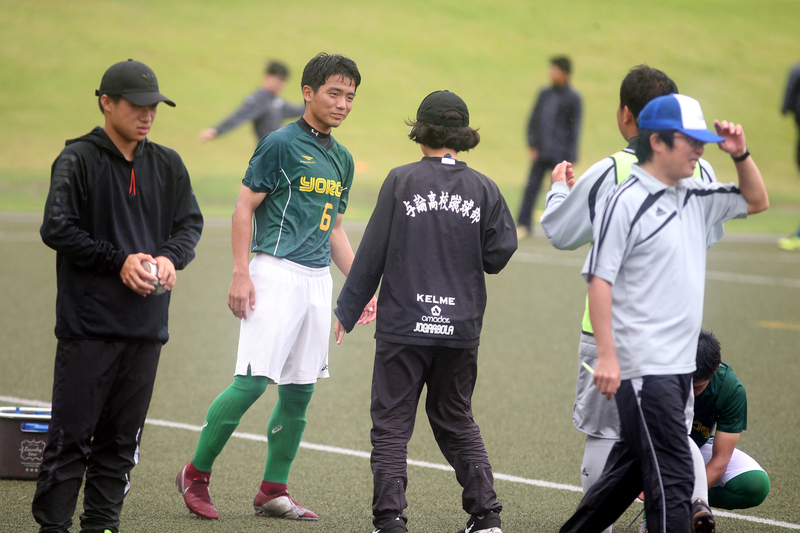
x=102, y=208
x=438, y=226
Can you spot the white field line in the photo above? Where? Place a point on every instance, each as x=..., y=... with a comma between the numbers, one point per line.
x=424, y=464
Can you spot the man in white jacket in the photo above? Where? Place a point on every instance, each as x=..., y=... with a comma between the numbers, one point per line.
x=567, y=222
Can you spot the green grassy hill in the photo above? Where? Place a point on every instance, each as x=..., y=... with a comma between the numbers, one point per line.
x=731, y=55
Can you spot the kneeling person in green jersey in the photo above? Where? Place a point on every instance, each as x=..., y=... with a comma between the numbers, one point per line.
x=735, y=480
x=295, y=190
x=437, y=228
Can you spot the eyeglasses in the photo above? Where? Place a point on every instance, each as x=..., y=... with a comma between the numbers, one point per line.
x=694, y=143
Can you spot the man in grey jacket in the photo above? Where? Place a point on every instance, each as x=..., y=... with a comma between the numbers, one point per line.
x=264, y=108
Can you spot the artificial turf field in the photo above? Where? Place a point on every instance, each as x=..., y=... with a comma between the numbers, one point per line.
x=522, y=402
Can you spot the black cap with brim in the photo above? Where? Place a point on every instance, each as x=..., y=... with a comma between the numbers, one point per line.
x=147, y=98
x=437, y=103
x=134, y=81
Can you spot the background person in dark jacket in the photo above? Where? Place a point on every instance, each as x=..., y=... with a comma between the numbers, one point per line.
x=116, y=200
x=264, y=108
x=791, y=104
x=438, y=226
x=552, y=134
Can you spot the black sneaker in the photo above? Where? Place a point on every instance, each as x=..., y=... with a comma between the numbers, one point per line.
x=702, y=518
x=483, y=523
x=398, y=525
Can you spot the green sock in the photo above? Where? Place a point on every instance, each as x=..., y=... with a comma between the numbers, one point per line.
x=742, y=492
x=224, y=415
x=285, y=430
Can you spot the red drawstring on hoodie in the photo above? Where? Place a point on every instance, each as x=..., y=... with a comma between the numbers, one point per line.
x=132, y=188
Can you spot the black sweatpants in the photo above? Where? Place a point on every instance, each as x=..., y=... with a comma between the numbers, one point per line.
x=101, y=392
x=399, y=374
x=797, y=153
x=653, y=455
x=538, y=169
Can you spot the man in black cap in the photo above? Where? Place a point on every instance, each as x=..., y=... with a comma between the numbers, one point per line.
x=438, y=226
x=117, y=203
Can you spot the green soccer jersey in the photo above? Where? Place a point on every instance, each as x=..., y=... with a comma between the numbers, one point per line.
x=722, y=404
x=307, y=185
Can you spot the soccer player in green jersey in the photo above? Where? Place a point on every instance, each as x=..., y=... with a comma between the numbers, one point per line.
x=735, y=480
x=292, y=200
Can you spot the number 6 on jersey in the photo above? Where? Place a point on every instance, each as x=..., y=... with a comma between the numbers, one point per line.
x=325, y=223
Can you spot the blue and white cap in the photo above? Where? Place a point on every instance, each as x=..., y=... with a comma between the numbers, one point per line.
x=680, y=113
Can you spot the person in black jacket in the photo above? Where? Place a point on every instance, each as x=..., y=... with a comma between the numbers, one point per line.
x=791, y=104
x=553, y=130
x=438, y=226
x=117, y=202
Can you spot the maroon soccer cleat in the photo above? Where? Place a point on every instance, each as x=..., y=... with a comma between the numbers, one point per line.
x=275, y=502
x=193, y=485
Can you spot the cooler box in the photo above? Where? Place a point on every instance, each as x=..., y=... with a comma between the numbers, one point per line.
x=23, y=436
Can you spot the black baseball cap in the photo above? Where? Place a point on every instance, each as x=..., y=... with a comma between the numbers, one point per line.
x=436, y=103
x=134, y=81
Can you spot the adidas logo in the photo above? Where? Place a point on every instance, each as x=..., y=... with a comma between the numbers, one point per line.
x=149, y=77
x=660, y=212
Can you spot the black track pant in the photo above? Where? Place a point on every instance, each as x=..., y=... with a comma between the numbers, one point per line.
x=653, y=455
x=797, y=154
x=398, y=377
x=537, y=172
x=101, y=392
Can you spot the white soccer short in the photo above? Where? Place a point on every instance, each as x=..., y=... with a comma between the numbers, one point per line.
x=739, y=464
x=286, y=336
